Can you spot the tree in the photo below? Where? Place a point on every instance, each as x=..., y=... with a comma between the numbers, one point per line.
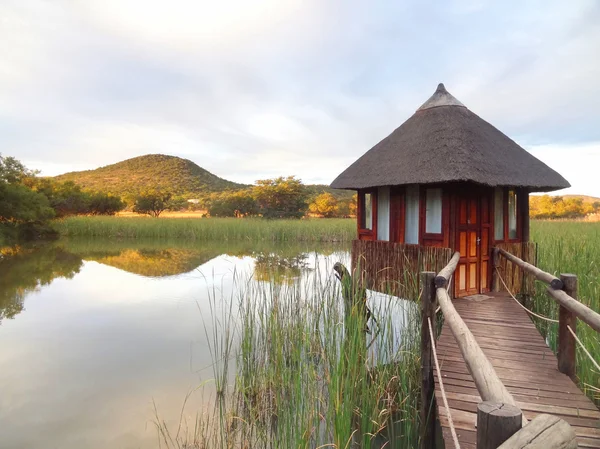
x=347, y=207
x=240, y=203
x=12, y=171
x=281, y=197
x=152, y=203
x=23, y=212
x=104, y=204
x=324, y=204
x=20, y=205
x=177, y=203
x=550, y=207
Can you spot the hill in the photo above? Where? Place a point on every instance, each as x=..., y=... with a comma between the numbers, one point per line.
x=168, y=173
x=154, y=171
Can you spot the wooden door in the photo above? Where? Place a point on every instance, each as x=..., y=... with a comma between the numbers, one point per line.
x=468, y=238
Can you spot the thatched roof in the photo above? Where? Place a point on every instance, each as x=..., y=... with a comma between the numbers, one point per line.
x=445, y=142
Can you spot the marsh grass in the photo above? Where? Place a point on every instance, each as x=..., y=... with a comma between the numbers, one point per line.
x=571, y=247
x=205, y=229
x=294, y=368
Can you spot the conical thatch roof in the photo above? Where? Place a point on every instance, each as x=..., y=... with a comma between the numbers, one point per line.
x=445, y=142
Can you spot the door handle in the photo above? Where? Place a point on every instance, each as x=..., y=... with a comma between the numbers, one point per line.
x=478, y=240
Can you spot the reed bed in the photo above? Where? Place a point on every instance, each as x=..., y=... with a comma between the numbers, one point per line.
x=571, y=247
x=293, y=368
x=216, y=229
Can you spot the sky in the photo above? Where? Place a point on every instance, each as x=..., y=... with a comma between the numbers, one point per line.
x=263, y=88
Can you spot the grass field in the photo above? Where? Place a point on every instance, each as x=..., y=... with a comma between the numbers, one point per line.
x=216, y=229
x=571, y=247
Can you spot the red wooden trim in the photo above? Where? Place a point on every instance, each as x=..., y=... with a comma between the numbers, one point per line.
x=446, y=217
x=397, y=214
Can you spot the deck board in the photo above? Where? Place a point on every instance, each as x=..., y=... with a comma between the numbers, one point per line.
x=524, y=363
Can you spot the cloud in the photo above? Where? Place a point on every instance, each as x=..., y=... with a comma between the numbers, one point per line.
x=250, y=90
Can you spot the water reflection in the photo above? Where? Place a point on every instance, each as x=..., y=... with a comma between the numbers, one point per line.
x=95, y=332
x=29, y=269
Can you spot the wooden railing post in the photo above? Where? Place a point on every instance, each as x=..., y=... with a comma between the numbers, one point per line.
x=495, y=265
x=566, y=342
x=428, y=408
x=496, y=423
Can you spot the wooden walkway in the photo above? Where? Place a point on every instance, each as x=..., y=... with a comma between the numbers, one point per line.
x=524, y=363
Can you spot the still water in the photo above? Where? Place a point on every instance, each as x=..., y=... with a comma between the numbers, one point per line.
x=98, y=337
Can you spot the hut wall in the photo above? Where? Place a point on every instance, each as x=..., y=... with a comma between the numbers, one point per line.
x=383, y=213
x=394, y=268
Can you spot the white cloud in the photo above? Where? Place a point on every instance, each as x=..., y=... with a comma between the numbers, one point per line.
x=577, y=163
x=256, y=89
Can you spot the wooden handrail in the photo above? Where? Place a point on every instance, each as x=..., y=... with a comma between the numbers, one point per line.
x=443, y=277
x=583, y=312
x=540, y=275
x=556, y=292
x=488, y=384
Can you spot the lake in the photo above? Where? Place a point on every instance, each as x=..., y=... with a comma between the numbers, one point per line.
x=102, y=339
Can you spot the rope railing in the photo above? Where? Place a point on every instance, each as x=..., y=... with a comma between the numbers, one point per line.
x=442, y=389
x=521, y=305
x=584, y=348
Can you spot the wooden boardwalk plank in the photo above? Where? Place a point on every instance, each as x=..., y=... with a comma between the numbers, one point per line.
x=524, y=363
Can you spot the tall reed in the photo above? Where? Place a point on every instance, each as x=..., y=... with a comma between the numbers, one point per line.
x=571, y=247
x=221, y=229
x=303, y=373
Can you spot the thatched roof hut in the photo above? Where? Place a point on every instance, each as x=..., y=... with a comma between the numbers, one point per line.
x=444, y=141
x=447, y=178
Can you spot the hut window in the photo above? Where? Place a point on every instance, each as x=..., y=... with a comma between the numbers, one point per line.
x=512, y=214
x=499, y=213
x=433, y=211
x=412, y=215
x=366, y=219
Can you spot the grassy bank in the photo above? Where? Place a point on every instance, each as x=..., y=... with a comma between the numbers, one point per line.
x=571, y=247
x=218, y=229
x=293, y=368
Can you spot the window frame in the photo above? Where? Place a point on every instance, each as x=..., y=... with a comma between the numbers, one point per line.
x=507, y=238
x=505, y=225
x=371, y=233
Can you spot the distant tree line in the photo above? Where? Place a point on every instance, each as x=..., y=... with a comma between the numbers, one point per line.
x=554, y=207
x=283, y=197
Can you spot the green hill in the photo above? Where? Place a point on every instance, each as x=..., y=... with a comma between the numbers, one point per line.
x=154, y=171
x=167, y=173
